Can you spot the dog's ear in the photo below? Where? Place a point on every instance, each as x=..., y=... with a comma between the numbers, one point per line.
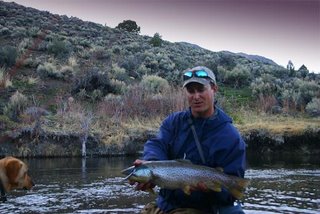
x=13, y=168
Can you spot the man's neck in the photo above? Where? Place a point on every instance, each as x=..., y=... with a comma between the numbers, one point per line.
x=203, y=115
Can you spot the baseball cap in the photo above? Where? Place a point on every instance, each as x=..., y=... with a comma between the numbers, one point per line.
x=199, y=74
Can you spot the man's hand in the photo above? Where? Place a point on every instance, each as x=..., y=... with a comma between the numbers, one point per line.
x=138, y=162
x=201, y=186
x=141, y=186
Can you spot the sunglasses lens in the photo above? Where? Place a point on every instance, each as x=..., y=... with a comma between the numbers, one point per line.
x=201, y=74
x=187, y=75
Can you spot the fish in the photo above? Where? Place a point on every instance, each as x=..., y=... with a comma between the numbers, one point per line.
x=183, y=174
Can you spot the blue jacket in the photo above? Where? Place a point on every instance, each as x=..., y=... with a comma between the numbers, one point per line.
x=222, y=146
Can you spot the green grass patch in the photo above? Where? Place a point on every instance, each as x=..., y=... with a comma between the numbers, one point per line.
x=241, y=95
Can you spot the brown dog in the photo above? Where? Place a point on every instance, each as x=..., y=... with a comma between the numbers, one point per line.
x=13, y=175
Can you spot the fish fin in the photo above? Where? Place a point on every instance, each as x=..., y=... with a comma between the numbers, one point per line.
x=220, y=169
x=183, y=161
x=238, y=189
x=243, y=183
x=214, y=186
x=151, y=190
x=187, y=189
x=236, y=193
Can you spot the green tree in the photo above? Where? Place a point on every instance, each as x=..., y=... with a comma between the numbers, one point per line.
x=238, y=76
x=129, y=25
x=156, y=40
x=290, y=68
x=303, y=71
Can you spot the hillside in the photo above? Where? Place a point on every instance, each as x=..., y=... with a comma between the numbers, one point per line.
x=64, y=76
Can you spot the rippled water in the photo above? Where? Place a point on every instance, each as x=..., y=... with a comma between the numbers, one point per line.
x=94, y=185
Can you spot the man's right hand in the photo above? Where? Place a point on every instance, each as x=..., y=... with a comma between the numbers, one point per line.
x=141, y=186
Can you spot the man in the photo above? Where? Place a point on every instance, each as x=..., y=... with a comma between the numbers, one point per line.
x=181, y=134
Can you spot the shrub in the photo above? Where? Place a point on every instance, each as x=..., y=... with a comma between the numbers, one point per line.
x=154, y=84
x=17, y=104
x=313, y=107
x=265, y=85
x=4, y=31
x=88, y=85
x=99, y=52
x=59, y=48
x=72, y=61
x=8, y=56
x=238, y=76
x=48, y=70
x=67, y=72
x=119, y=73
x=24, y=44
x=119, y=87
x=32, y=80
x=33, y=31
x=143, y=70
x=4, y=78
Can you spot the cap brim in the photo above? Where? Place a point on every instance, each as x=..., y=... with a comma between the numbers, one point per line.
x=197, y=80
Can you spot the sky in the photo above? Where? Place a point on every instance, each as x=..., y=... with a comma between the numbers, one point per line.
x=280, y=30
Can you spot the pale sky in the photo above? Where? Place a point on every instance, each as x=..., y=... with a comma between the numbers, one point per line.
x=280, y=30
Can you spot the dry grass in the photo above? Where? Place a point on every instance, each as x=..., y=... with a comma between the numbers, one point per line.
x=120, y=119
x=116, y=130
x=277, y=124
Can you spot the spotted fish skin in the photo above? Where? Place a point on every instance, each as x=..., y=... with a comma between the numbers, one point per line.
x=182, y=174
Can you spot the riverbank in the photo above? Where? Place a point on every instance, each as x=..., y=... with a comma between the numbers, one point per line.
x=267, y=136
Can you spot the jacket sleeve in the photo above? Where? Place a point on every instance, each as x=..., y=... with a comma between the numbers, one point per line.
x=232, y=156
x=232, y=159
x=236, y=159
x=158, y=148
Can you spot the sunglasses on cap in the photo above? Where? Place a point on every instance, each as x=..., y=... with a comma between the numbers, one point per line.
x=200, y=74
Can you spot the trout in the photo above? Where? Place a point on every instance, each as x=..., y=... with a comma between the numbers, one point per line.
x=182, y=174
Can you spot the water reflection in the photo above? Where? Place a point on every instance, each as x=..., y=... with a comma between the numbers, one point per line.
x=94, y=185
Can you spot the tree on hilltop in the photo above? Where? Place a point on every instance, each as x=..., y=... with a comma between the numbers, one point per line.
x=129, y=25
x=290, y=68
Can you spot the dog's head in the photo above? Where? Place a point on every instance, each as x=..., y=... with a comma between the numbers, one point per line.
x=17, y=173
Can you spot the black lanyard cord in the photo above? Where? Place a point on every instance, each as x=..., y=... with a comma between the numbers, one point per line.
x=197, y=140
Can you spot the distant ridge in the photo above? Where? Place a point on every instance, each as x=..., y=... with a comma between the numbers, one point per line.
x=258, y=58
x=190, y=45
x=247, y=56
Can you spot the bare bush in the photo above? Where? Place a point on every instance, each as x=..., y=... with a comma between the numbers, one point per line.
x=265, y=103
x=17, y=104
x=140, y=103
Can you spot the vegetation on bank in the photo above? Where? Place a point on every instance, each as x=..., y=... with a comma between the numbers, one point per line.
x=61, y=74
x=117, y=119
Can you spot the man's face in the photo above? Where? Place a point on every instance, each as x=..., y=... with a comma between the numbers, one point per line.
x=200, y=98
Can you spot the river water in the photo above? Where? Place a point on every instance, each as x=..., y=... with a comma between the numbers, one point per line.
x=94, y=185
